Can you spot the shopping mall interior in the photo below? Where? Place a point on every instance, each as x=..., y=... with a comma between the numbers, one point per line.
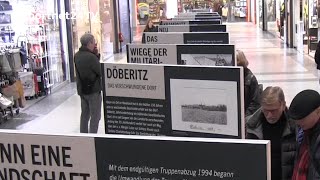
x=169, y=73
x=44, y=43
x=270, y=60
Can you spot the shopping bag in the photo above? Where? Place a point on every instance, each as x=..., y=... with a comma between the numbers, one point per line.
x=22, y=102
x=5, y=102
x=19, y=88
x=4, y=64
x=11, y=90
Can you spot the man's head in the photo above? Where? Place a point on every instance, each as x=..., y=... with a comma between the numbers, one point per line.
x=304, y=109
x=273, y=104
x=87, y=40
x=241, y=59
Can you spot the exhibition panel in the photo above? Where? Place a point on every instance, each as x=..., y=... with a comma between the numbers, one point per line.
x=164, y=100
x=185, y=22
x=182, y=54
x=57, y=157
x=186, y=38
x=193, y=28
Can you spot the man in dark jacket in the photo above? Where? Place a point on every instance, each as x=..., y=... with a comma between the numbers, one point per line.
x=317, y=59
x=270, y=122
x=305, y=111
x=88, y=72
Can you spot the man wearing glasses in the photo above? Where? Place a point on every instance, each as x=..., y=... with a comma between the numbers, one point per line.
x=270, y=122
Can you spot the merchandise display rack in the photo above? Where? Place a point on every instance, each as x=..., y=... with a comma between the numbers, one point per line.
x=39, y=57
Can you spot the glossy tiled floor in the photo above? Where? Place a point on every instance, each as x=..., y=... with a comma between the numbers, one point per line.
x=272, y=63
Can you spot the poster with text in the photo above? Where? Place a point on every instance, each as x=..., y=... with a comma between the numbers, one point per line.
x=158, y=100
x=193, y=28
x=186, y=38
x=182, y=159
x=26, y=156
x=188, y=54
x=47, y=157
x=186, y=22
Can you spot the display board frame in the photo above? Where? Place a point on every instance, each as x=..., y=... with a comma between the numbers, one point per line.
x=193, y=28
x=187, y=22
x=63, y=156
x=185, y=38
x=161, y=109
x=182, y=54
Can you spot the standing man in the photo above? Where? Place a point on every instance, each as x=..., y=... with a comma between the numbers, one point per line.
x=88, y=72
x=305, y=111
x=270, y=122
x=317, y=59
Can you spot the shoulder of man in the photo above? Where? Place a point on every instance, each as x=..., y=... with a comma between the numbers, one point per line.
x=86, y=55
x=316, y=154
x=254, y=120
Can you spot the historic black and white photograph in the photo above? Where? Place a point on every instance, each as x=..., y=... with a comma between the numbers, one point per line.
x=204, y=106
x=202, y=113
x=207, y=59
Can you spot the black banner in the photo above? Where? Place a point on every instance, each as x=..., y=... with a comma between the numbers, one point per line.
x=186, y=38
x=202, y=38
x=193, y=28
x=180, y=159
x=202, y=18
x=182, y=22
x=208, y=28
x=90, y=157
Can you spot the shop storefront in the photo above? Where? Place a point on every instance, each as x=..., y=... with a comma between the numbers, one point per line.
x=34, y=27
x=230, y=10
x=96, y=17
x=271, y=16
x=125, y=31
x=310, y=15
x=153, y=9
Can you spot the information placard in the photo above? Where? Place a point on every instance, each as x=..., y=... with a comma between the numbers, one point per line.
x=183, y=159
x=185, y=22
x=193, y=28
x=186, y=38
x=169, y=100
x=188, y=54
x=26, y=156
x=42, y=157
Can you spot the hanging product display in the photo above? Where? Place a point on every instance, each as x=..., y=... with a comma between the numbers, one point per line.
x=240, y=9
x=154, y=9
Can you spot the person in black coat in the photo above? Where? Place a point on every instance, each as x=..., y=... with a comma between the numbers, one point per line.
x=251, y=87
x=150, y=27
x=271, y=122
x=317, y=59
x=304, y=110
x=88, y=71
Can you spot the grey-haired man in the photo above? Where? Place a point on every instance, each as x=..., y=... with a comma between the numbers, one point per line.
x=88, y=72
